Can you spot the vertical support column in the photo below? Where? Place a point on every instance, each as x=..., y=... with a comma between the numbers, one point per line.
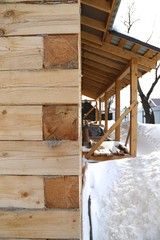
x=100, y=112
x=133, y=114
x=117, y=130
x=106, y=112
x=97, y=115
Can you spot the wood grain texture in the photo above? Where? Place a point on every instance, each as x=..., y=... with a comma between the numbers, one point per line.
x=39, y=158
x=40, y=78
x=61, y=51
x=33, y=19
x=62, y=1
x=39, y=95
x=39, y=87
x=21, y=192
x=20, y=123
x=21, y=53
x=60, y=122
x=62, y=192
x=20, y=1
x=62, y=224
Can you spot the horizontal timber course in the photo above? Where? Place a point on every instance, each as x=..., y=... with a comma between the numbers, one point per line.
x=39, y=120
x=39, y=157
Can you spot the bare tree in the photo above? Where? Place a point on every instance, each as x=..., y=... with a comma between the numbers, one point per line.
x=149, y=114
x=130, y=20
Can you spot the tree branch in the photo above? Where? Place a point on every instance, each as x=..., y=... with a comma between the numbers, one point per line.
x=155, y=82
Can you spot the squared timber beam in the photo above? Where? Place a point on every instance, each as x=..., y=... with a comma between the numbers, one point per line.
x=133, y=114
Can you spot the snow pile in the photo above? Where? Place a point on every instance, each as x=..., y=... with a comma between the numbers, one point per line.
x=125, y=194
x=148, y=137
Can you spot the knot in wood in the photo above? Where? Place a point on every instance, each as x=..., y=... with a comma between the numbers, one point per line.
x=4, y=112
x=24, y=194
x=9, y=13
x=2, y=32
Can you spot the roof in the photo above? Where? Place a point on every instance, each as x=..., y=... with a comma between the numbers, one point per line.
x=107, y=53
x=154, y=102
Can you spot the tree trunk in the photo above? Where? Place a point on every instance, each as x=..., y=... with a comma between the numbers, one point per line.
x=149, y=114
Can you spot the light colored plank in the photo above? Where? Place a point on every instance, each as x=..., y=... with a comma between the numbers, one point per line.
x=39, y=158
x=21, y=192
x=100, y=111
x=62, y=1
x=19, y=1
x=20, y=123
x=133, y=114
x=39, y=87
x=39, y=95
x=118, y=109
x=31, y=19
x=106, y=111
x=21, y=53
x=40, y=78
x=40, y=224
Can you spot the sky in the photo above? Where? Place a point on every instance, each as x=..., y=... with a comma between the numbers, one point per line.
x=146, y=15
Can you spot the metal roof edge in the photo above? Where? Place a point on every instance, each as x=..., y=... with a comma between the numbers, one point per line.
x=134, y=40
x=114, y=13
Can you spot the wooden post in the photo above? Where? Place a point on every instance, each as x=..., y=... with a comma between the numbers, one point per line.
x=106, y=112
x=133, y=114
x=117, y=130
x=111, y=129
x=97, y=114
x=100, y=112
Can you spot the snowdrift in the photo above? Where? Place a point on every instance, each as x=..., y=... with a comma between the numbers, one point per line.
x=125, y=193
x=148, y=137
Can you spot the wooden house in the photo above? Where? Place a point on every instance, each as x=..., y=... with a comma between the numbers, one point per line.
x=40, y=106
x=40, y=169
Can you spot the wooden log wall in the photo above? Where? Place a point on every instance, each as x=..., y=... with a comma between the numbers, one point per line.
x=40, y=162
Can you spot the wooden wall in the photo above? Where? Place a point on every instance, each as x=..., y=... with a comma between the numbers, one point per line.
x=40, y=169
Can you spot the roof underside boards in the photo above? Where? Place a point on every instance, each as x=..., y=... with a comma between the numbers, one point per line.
x=107, y=53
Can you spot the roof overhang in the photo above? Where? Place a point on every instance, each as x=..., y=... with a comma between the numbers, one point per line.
x=106, y=54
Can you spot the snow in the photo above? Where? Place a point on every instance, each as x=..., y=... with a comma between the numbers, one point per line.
x=125, y=193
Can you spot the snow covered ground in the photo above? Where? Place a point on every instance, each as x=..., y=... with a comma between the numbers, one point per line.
x=125, y=194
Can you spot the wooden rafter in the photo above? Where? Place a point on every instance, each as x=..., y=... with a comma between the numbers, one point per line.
x=121, y=75
x=105, y=50
x=126, y=54
x=102, y=53
x=103, y=60
x=135, y=48
x=102, y=5
x=95, y=39
x=90, y=22
x=112, y=4
x=100, y=66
